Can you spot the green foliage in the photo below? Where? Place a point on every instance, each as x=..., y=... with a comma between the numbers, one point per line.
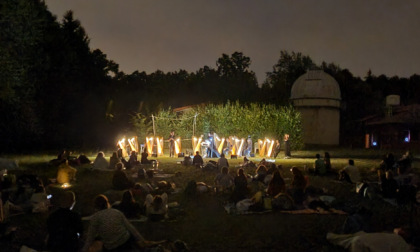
x=232, y=119
x=142, y=125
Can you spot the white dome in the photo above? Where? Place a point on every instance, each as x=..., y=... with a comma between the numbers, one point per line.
x=315, y=84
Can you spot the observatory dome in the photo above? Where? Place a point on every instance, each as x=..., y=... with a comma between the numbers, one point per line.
x=315, y=84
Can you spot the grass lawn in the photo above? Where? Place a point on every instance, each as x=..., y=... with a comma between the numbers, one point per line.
x=203, y=223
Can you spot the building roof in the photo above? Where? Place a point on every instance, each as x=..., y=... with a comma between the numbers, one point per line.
x=409, y=114
x=315, y=84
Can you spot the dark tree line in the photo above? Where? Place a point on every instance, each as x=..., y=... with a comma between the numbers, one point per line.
x=57, y=92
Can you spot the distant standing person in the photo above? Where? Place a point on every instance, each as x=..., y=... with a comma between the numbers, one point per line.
x=287, y=153
x=248, y=146
x=172, y=144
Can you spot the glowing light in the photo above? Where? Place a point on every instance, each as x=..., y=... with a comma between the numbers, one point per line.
x=121, y=144
x=196, y=144
x=220, y=149
x=178, y=146
x=149, y=144
x=270, y=149
x=262, y=146
x=374, y=143
x=132, y=144
x=241, y=146
x=159, y=144
x=65, y=185
x=406, y=139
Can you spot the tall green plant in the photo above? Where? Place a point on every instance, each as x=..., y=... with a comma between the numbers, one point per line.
x=233, y=119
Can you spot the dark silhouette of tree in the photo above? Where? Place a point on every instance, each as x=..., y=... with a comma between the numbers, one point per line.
x=237, y=81
x=55, y=91
x=53, y=87
x=25, y=28
x=288, y=68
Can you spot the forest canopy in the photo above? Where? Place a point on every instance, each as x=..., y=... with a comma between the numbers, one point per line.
x=57, y=92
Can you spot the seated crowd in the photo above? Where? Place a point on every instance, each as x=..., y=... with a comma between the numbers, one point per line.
x=249, y=187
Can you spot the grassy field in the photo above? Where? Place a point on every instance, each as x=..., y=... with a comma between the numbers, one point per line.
x=203, y=223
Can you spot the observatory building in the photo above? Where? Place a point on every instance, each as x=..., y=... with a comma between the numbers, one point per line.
x=316, y=95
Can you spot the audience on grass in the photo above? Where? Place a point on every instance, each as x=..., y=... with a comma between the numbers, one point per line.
x=298, y=186
x=404, y=163
x=100, y=162
x=327, y=162
x=261, y=173
x=187, y=161
x=388, y=184
x=387, y=163
x=39, y=202
x=223, y=181
x=222, y=162
x=198, y=160
x=350, y=173
x=139, y=192
x=83, y=159
x=276, y=185
x=319, y=166
x=156, y=206
x=112, y=228
x=120, y=180
x=66, y=173
x=240, y=190
x=248, y=163
x=375, y=242
x=271, y=168
x=65, y=227
x=128, y=206
x=144, y=157
x=113, y=160
x=132, y=161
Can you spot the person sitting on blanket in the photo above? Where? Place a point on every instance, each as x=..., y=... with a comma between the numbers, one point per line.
x=319, y=166
x=247, y=163
x=120, y=180
x=222, y=162
x=156, y=207
x=198, y=160
x=128, y=206
x=65, y=227
x=240, y=190
x=223, y=181
x=389, y=185
x=260, y=173
x=350, y=173
x=276, y=185
x=298, y=186
x=144, y=156
x=100, y=162
x=112, y=228
x=375, y=242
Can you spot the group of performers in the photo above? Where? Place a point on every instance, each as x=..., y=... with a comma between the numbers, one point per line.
x=209, y=148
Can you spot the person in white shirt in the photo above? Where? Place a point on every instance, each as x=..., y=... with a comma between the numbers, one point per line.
x=350, y=173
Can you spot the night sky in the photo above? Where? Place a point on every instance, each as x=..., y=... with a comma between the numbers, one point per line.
x=170, y=35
